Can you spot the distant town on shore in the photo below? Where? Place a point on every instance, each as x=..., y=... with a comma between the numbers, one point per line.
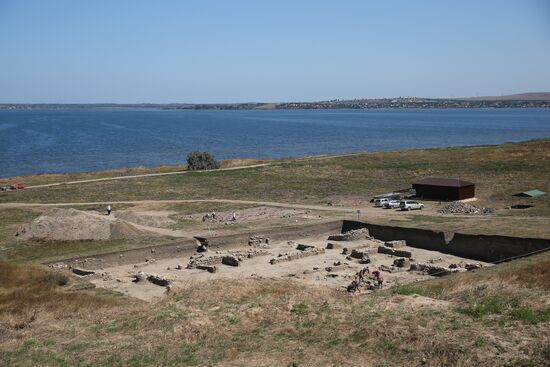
x=524, y=100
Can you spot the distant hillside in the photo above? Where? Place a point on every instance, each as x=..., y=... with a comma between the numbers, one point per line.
x=535, y=96
x=523, y=100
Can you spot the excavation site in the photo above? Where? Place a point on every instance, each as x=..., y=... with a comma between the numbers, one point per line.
x=352, y=256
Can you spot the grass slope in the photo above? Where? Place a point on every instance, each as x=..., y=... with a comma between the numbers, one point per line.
x=497, y=317
x=499, y=172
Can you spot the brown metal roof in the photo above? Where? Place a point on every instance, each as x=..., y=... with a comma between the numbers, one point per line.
x=448, y=182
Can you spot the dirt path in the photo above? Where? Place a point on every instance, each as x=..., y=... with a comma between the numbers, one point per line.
x=366, y=211
x=139, y=176
x=320, y=157
x=250, y=202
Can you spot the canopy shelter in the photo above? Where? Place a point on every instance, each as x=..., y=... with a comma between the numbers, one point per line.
x=530, y=194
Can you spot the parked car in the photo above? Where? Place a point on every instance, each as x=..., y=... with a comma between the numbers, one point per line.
x=410, y=205
x=4, y=188
x=378, y=203
x=392, y=204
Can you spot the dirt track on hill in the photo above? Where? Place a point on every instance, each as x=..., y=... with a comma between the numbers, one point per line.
x=320, y=157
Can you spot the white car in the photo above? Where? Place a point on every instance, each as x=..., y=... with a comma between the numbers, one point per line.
x=392, y=204
x=378, y=203
x=410, y=205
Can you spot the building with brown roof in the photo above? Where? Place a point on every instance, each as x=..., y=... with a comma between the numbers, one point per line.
x=444, y=189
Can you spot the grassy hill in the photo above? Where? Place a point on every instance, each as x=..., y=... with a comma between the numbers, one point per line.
x=498, y=171
x=492, y=317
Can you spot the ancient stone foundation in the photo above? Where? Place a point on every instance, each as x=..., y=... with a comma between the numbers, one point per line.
x=297, y=255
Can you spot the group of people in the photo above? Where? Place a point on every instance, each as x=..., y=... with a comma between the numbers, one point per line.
x=212, y=216
x=372, y=280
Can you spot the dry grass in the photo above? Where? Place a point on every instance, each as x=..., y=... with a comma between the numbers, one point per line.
x=49, y=178
x=499, y=171
x=265, y=322
x=523, y=274
x=28, y=294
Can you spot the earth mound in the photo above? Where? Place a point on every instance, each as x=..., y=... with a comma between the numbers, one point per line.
x=76, y=225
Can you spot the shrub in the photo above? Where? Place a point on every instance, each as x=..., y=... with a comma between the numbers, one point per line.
x=197, y=161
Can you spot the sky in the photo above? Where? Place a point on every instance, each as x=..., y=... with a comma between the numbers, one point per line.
x=207, y=51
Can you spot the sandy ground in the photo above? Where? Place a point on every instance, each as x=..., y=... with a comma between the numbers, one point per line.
x=71, y=224
x=331, y=268
x=312, y=269
x=251, y=214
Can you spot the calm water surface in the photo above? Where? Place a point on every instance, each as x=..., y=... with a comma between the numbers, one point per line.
x=76, y=140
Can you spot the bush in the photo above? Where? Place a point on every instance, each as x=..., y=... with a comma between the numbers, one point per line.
x=197, y=161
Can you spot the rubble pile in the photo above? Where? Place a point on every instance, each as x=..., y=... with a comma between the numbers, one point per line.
x=353, y=235
x=458, y=207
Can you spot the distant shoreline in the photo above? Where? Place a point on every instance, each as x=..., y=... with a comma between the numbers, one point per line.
x=471, y=105
x=524, y=100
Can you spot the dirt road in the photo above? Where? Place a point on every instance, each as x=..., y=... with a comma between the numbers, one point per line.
x=364, y=210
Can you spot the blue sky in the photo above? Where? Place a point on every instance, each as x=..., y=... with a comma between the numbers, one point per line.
x=207, y=51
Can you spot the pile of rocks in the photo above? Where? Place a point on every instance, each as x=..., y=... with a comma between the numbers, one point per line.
x=362, y=255
x=353, y=235
x=458, y=207
x=153, y=278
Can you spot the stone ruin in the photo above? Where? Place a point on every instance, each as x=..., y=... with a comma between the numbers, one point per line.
x=353, y=235
x=436, y=270
x=258, y=241
x=362, y=255
x=234, y=258
x=304, y=251
x=395, y=243
x=394, y=252
x=153, y=278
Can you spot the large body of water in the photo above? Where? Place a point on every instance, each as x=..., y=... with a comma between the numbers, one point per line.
x=76, y=140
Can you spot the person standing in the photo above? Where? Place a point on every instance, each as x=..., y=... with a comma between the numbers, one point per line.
x=234, y=217
x=109, y=209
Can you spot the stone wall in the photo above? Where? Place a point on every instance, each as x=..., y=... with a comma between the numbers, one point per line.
x=478, y=247
x=494, y=248
x=420, y=238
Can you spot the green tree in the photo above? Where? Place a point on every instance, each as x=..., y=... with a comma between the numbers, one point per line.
x=198, y=161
